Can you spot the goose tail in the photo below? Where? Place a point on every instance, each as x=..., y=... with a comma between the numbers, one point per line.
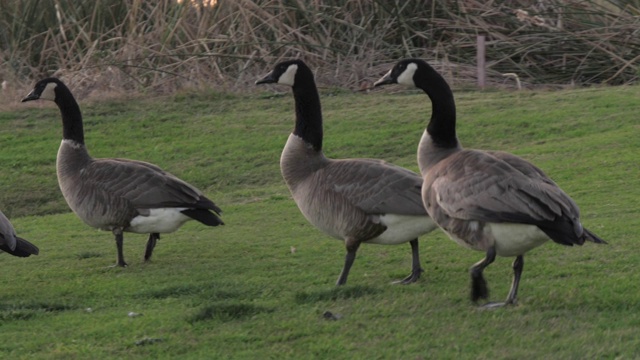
x=23, y=248
x=204, y=216
x=589, y=236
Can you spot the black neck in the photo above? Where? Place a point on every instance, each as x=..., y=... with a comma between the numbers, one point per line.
x=308, y=110
x=71, y=116
x=442, y=125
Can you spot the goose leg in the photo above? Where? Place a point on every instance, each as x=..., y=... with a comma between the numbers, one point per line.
x=518, y=265
x=416, y=270
x=352, y=247
x=151, y=244
x=479, y=288
x=119, y=240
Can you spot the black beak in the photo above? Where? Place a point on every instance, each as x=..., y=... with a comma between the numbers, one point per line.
x=385, y=80
x=268, y=79
x=32, y=96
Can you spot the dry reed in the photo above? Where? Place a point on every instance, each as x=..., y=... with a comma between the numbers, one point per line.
x=162, y=46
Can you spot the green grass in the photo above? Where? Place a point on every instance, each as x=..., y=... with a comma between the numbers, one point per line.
x=240, y=291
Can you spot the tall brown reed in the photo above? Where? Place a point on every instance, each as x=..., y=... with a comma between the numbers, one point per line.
x=161, y=46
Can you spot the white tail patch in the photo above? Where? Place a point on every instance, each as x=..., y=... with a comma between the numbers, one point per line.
x=515, y=239
x=508, y=239
x=403, y=228
x=162, y=220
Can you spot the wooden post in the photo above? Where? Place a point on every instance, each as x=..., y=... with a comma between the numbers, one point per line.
x=481, y=61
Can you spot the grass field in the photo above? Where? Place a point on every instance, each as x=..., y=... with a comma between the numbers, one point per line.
x=257, y=287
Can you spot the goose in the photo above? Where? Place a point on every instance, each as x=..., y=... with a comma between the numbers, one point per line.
x=119, y=195
x=488, y=201
x=11, y=243
x=354, y=200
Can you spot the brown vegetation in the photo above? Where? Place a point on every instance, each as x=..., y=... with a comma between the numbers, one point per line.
x=161, y=46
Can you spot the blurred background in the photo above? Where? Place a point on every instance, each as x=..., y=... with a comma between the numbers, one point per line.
x=115, y=46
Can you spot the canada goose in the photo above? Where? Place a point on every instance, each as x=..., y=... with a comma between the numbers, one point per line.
x=11, y=243
x=485, y=200
x=355, y=200
x=119, y=195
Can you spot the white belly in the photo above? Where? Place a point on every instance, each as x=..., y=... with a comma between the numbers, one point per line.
x=403, y=228
x=515, y=239
x=509, y=239
x=163, y=220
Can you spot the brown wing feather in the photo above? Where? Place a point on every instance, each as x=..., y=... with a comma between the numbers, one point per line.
x=486, y=187
x=377, y=187
x=144, y=185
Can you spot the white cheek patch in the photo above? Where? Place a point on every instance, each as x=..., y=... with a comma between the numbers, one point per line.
x=49, y=92
x=406, y=78
x=289, y=76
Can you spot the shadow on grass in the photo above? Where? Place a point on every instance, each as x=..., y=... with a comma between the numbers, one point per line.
x=208, y=291
x=227, y=312
x=23, y=311
x=89, y=255
x=336, y=293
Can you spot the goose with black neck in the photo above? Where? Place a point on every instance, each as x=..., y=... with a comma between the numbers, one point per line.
x=488, y=201
x=354, y=200
x=119, y=195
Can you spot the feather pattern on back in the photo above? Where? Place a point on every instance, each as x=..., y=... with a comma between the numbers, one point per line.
x=475, y=185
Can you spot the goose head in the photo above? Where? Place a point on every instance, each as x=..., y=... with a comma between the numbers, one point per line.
x=417, y=73
x=289, y=72
x=298, y=75
x=404, y=73
x=46, y=89
x=413, y=72
x=55, y=90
